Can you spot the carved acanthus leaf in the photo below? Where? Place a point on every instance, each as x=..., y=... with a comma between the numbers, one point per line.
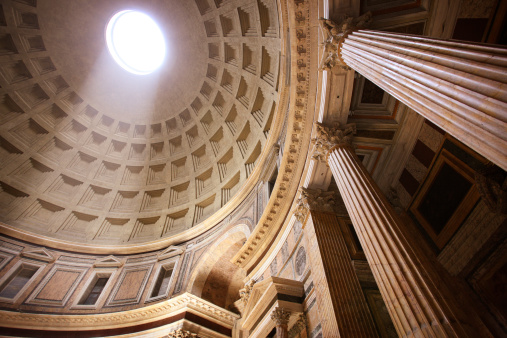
x=244, y=293
x=280, y=316
x=328, y=137
x=334, y=33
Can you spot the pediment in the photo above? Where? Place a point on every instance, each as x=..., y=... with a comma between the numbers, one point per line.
x=108, y=262
x=282, y=292
x=170, y=252
x=41, y=254
x=257, y=291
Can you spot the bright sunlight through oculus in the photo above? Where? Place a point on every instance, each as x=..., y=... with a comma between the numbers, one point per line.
x=136, y=42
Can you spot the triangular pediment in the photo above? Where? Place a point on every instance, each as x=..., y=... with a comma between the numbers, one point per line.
x=41, y=254
x=256, y=293
x=108, y=262
x=170, y=252
x=273, y=291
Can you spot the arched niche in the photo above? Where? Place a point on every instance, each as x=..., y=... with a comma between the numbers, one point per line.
x=216, y=279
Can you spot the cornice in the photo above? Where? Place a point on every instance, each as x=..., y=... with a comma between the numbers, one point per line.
x=298, y=131
x=152, y=313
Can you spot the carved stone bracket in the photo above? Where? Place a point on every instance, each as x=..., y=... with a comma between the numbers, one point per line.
x=328, y=137
x=334, y=34
x=180, y=333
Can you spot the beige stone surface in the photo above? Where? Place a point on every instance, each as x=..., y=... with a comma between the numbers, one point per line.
x=404, y=275
x=459, y=87
x=94, y=154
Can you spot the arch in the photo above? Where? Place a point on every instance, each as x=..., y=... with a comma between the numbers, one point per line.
x=216, y=278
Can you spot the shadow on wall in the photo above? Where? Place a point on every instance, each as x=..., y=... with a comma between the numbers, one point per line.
x=216, y=279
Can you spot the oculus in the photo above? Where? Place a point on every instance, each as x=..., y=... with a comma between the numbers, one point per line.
x=135, y=42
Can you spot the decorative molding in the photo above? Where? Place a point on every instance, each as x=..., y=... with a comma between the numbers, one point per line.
x=104, y=321
x=244, y=293
x=41, y=254
x=170, y=252
x=292, y=163
x=53, y=282
x=134, y=277
x=328, y=137
x=180, y=333
x=108, y=262
x=266, y=295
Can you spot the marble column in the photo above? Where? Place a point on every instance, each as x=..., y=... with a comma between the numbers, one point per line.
x=343, y=310
x=281, y=318
x=418, y=301
x=459, y=86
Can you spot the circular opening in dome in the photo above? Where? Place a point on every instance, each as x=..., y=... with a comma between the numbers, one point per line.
x=135, y=42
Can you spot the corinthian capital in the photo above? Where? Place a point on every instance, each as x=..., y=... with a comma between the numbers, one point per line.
x=328, y=137
x=280, y=316
x=334, y=33
x=318, y=200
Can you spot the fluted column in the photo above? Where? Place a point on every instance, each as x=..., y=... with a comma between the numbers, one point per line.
x=416, y=297
x=343, y=310
x=460, y=87
x=281, y=318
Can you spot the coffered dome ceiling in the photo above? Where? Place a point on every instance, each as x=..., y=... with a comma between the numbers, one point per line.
x=91, y=153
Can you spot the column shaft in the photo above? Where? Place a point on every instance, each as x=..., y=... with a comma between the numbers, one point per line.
x=342, y=305
x=417, y=299
x=282, y=331
x=460, y=87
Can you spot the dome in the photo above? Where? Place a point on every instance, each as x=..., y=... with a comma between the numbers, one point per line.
x=92, y=153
